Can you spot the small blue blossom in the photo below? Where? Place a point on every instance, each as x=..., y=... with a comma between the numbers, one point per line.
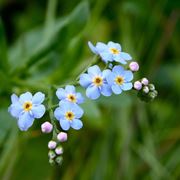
x=69, y=94
x=26, y=108
x=119, y=79
x=68, y=115
x=95, y=82
x=110, y=52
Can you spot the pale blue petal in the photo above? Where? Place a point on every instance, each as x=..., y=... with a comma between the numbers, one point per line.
x=38, y=98
x=65, y=125
x=38, y=111
x=76, y=124
x=116, y=89
x=128, y=76
x=94, y=70
x=92, y=47
x=92, y=92
x=61, y=94
x=85, y=80
x=15, y=109
x=25, y=97
x=70, y=89
x=78, y=111
x=14, y=98
x=101, y=47
x=25, y=121
x=119, y=70
x=114, y=45
x=106, y=56
x=80, y=98
x=106, y=90
x=110, y=78
x=126, y=86
x=119, y=59
x=125, y=56
x=106, y=73
x=59, y=113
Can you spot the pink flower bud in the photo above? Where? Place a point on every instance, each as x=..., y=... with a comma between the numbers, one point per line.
x=134, y=66
x=52, y=145
x=62, y=137
x=145, y=81
x=46, y=127
x=59, y=150
x=137, y=85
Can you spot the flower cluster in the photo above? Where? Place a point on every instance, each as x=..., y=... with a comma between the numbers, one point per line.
x=117, y=76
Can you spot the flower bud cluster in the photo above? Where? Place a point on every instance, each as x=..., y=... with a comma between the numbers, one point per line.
x=56, y=150
x=146, y=91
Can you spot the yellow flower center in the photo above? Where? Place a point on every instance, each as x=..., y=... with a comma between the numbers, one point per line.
x=119, y=80
x=71, y=97
x=27, y=106
x=69, y=115
x=114, y=50
x=98, y=81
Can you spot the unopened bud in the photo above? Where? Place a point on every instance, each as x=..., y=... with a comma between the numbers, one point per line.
x=59, y=160
x=62, y=137
x=51, y=154
x=46, y=127
x=137, y=85
x=134, y=66
x=145, y=81
x=59, y=150
x=151, y=87
x=145, y=89
x=52, y=144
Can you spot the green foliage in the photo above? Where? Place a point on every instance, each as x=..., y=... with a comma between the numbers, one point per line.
x=122, y=137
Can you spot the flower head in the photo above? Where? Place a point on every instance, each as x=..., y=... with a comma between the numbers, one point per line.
x=110, y=52
x=26, y=108
x=69, y=94
x=119, y=79
x=68, y=115
x=95, y=82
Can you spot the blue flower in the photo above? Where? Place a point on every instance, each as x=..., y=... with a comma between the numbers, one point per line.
x=119, y=79
x=95, y=82
x=68, y=115
x=26, y=108
x=110, y=52
x=69, y=94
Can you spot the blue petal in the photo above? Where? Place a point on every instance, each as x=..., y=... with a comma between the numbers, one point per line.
x=25, y=121
x=118, y=70
x=106, y=73
x=125, y=56
x=14, y=98
x=38, y=98
x=106, y=56
x=106, y=90
x=76, y=124
x=59, y=113
x=101, y=47
x=61, y=94
x=65, y=125
x=80, y=98
x=114, y=45
x=110, y=78
x=25, y=97
x=15, y=109
x=116, y=89
x=38, y=111
x=85, y=80
x=94, y=70
x=78, y=111
x=128, y=76
x=70, y=89
x=92, y=92
x=92, y=47
x=119, y=59
x=126, y=86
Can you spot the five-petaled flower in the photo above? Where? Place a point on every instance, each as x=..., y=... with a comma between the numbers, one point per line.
x=119, y=79
x=95, y=82
x=110, y=52
x=69, y=94
x=26, y=108
x=69, y=114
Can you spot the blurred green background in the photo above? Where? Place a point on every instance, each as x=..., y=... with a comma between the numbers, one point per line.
x=45, y=42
